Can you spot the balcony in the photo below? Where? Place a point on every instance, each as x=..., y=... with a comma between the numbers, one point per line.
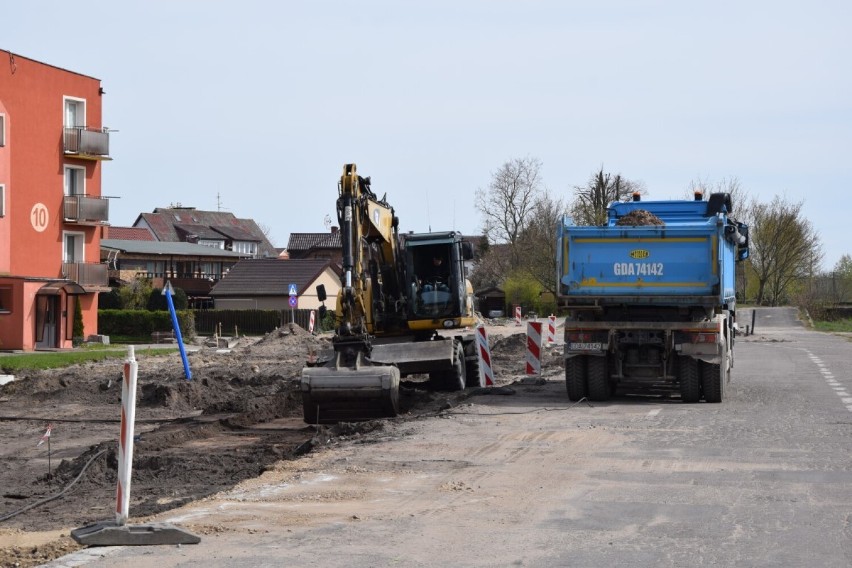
x=92, y=276
x=85, y=210
x=86, y=143
x=192, y=284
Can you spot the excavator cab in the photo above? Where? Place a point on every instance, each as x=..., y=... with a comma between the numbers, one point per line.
x=435, y=263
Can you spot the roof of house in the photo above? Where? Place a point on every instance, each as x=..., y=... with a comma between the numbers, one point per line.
x=171, y=249
x=167, y=224
x=302, y=242
x=270, y=277
x=130, y=234
x=184, y=230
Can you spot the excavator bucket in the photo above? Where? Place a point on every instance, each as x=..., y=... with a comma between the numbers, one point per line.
x=333, y=393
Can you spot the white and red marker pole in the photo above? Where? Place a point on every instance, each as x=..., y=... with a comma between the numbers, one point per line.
x=125, y=441
x=517, y=315
x=311, y=322
x=483, y=351
x=534, y=348
x=551, y=328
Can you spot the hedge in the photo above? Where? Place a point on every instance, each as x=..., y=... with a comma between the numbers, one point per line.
x=142, y=323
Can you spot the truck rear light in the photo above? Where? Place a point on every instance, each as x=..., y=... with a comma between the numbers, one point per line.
x=703, y=337
x=583, y=336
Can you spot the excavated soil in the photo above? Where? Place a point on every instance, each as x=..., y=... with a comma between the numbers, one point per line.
x=639, y=217
x=239, y=415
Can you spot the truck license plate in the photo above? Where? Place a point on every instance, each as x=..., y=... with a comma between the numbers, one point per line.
x=585, y=346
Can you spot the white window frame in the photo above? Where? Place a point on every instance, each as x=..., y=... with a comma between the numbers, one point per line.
x=80, y=174
x=245, y=247
x=212, y=243
x=2, y=200
x=79, y=246
x=2, y=129
x=80, y=104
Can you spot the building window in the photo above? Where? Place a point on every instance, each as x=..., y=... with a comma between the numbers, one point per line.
x=75, y=181
x=72, y=251
x=2, y=129
x=75, y=112
x=245, y=247
x=5, y=299
x=2, y=200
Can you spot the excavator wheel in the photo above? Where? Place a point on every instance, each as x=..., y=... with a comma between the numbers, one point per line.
x=456, y=378
x=472, y=365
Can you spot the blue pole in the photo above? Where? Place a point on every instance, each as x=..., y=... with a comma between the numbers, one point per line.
x=167, y=292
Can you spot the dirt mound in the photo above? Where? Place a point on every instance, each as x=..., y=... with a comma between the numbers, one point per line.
x=639, y=217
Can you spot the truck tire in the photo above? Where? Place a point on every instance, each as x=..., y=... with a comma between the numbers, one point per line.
x=575, y=377
x=690, y=383
x=598, y=379
x=712, y=382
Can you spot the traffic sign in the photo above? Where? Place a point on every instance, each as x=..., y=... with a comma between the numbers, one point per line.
x=293, y=290
x=294, y=301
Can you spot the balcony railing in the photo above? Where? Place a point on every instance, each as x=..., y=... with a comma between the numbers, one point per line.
x=86, y=274
x=193, y=284
x=86, y=210
x=87, y=143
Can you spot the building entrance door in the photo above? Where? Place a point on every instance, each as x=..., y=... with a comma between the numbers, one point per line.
x=47, y=312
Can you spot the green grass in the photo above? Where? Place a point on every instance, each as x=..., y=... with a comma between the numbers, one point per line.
x=11, y=363
x=844, y=325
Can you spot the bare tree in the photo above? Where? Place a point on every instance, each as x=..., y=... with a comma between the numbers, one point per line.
x=602, y=189
x=507, y=203
x=537, y=244
x=784, y=248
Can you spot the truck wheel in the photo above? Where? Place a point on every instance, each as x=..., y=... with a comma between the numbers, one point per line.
x=598, y=379
x=690, y=384
x=575, y=377
x=712, y=382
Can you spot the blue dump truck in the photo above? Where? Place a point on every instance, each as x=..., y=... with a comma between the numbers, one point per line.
x=650, y=298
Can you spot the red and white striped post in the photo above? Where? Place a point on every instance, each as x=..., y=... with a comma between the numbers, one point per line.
x=311, y=322
x=486, y=374
x=125, y=441
x=551, y=328
x=517, y=315
x=534, y=348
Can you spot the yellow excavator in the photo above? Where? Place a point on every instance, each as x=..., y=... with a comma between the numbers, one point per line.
x=397, y=292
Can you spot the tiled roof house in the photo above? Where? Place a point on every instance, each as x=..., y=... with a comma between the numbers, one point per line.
x=218, y=229
x=316, y=245
x=265, y=284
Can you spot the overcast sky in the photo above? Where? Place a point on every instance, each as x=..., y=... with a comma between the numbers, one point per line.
x=253, y=107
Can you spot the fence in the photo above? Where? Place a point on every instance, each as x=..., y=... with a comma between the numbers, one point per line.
x=247, y=322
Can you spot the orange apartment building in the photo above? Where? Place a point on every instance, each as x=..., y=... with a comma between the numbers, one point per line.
x=52, y=143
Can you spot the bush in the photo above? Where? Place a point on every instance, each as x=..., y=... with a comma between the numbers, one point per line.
x=157, y=301
x=142, y=323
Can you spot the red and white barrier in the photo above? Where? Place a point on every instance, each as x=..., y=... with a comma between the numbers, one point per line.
x=551, y=329
x=486, y=374
x=534, y=348
x=311, y=322
x=125, y=441
x=517, y=315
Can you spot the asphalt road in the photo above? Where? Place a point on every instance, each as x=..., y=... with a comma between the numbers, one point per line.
x=763, y=479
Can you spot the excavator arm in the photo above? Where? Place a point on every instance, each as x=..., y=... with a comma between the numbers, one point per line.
x=351, y=387
x=370, y=299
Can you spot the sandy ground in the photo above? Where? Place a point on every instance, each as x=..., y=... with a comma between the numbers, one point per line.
x=239, y=418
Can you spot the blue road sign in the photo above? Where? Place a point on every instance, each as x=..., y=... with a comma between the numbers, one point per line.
x=293, y=290
x=294, y=301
